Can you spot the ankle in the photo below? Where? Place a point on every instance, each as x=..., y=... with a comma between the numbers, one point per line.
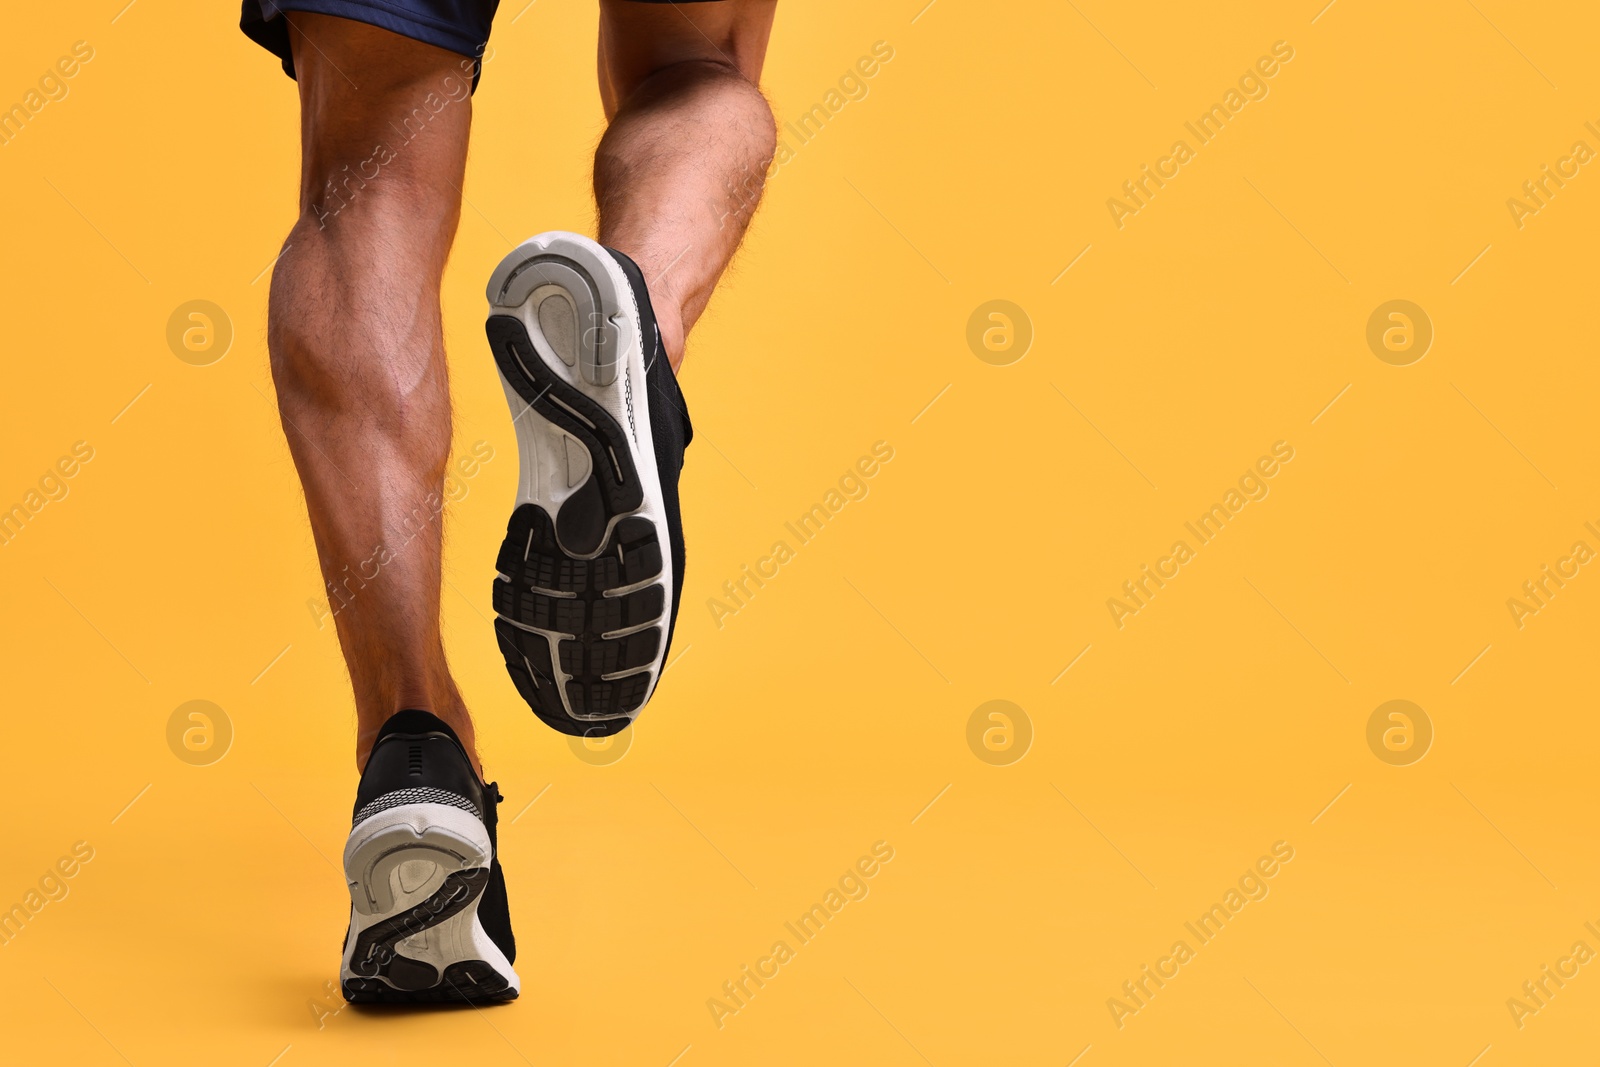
x=669, y=320
x=453, y=715
x=656, y=268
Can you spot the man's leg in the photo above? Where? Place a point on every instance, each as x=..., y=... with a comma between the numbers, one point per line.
x=358, y=352
x=681, y=168
x=591, y=571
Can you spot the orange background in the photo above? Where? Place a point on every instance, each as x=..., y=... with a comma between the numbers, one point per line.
x=832, y=711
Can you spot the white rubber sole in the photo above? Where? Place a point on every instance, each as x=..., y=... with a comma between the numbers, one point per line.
x=580, y=316
x=406, y=867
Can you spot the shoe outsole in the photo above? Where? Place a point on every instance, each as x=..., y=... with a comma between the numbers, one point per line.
x=581, y=594
x=416, y=874
x=397, y=979
x=468, y=982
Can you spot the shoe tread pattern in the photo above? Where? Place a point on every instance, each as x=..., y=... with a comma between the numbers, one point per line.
x=562, y=577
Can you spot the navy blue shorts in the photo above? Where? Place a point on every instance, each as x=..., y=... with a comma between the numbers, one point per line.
x=455, y=25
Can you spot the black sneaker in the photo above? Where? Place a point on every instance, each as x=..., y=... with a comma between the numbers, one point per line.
x=428, y=913
x=592, y=564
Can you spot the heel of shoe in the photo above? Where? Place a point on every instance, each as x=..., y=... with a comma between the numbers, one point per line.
x=566, y=283
x=416, y=873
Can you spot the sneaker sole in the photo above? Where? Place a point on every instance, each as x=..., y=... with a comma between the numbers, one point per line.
x=581, y=598
x=416, y=873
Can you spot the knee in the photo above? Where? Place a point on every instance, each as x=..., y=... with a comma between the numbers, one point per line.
x=353, y=210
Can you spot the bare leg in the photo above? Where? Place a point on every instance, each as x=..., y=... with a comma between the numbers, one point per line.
x=358, y=353
x=679, y=172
